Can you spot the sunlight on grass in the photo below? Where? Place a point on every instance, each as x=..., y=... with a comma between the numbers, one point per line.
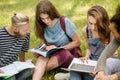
x=30, y=12
x=8, y=2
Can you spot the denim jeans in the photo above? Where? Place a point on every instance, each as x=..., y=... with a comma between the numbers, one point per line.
x=23, y=75
x=75, y=75
x=80, y=76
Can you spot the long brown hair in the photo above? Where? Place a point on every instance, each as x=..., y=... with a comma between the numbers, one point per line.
x=100, y=14
x=46, y=7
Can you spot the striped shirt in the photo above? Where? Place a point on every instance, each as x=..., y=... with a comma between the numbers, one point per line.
x=11, y=46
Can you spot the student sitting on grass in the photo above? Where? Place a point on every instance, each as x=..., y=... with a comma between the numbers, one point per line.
x=14, y=42
x=48, y=29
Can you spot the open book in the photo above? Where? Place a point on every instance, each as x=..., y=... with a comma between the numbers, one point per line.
x=15, y=68
x=41, y=50
x=80, y=66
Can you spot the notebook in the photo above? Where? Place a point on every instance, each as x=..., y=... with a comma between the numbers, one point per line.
x=41, y=50
x=82, y=66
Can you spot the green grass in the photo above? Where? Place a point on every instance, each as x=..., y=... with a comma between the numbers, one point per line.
x=74, y=9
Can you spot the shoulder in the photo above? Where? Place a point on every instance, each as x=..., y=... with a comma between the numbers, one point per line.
x=69, y=23
x=67, y=20
x=3, y=30
x=27, y=37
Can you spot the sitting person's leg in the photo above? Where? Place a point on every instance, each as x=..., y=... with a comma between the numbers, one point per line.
x=75, y=75
x=112, y=66
x=60, y=58
x=80, y=76
x=87, y=76
x=1, y=78
x=64, y=60
x=40, y=68
x=11, y=78
x=25, y=74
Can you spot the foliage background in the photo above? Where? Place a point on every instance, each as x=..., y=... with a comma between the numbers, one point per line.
x=74, y=9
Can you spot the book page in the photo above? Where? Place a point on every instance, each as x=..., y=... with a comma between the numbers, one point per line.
x=23, y=65
x=41, y=51
x=34, y=50
x=8, y=70
x=15, y=68
x=88, y=62
x=91, y=62
x=82, y=66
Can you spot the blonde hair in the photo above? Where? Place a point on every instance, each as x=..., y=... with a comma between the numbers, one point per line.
x=19, y=19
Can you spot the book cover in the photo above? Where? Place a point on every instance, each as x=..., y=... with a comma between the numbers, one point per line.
x=15, y=68
x=42, y=51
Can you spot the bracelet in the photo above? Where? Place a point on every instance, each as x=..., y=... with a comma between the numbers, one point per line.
x=108, y=77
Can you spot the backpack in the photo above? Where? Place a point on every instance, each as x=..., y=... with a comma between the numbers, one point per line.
x=62, y=23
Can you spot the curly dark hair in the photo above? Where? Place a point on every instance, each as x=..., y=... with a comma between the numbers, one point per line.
x=116, y=19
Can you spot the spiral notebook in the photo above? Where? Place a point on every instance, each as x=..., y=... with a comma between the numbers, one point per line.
x=82, y=66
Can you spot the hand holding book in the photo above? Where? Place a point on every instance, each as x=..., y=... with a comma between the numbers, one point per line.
x=50, y=47
x=80, y=66
x=44, y=50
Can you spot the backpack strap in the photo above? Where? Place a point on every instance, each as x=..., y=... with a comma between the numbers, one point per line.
x=62, y=23
x=87, y=32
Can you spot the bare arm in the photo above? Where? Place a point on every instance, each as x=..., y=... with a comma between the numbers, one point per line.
x=88, y=52
x=22, y=56
x=76, y=42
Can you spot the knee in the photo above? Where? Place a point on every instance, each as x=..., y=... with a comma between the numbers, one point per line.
x=41, y=64
x=52, y=64
x=111, y=62
x=30, y=71
x=108, y=64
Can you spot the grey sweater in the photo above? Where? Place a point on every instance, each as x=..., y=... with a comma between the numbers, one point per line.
x=107, y=52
